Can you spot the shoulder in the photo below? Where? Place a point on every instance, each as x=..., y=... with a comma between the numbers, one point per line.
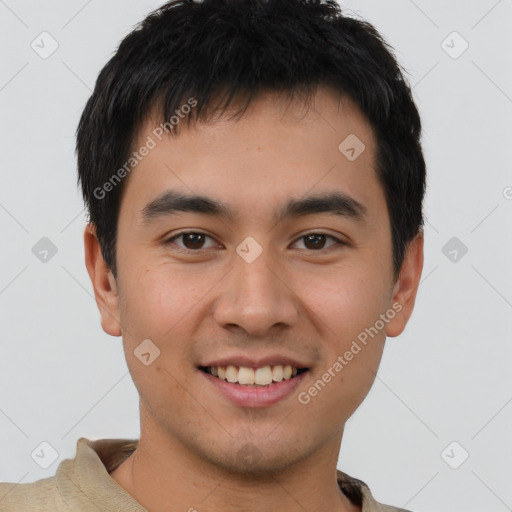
x=389, y=508
x=359, y=493
x=80, y=483
x=40, y=495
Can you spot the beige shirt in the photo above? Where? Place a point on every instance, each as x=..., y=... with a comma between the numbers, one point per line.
x=83, y=484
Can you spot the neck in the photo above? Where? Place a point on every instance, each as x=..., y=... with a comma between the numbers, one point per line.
x=162, y=474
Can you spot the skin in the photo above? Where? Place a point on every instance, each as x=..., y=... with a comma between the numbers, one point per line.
x=293, y=300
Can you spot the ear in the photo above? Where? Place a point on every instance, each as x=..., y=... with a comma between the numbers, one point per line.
x=406, y=286
x=103, y=282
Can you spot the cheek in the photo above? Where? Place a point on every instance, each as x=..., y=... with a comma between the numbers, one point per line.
x=156, y=305
x=156, y=297
x=347, y=306
x=344, y=299
x=162, y=304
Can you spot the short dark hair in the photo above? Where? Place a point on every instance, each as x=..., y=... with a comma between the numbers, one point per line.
x=237, y=49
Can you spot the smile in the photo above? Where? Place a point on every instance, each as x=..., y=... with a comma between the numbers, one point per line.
x=246, y=376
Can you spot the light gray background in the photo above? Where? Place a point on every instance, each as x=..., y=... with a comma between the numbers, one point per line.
x=447, y=378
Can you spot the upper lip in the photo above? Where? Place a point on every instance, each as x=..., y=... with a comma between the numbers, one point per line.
x=250, y=362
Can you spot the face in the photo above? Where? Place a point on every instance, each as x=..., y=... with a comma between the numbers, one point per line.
x=285, y=260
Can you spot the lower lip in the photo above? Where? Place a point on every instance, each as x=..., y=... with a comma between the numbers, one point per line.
x=248, y=396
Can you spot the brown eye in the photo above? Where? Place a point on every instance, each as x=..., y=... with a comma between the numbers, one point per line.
x=314, y=241
x=190, y=240
x=317, y=241
x=193, y=240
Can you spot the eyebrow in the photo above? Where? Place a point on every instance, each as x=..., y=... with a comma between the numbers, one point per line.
x=336, y=203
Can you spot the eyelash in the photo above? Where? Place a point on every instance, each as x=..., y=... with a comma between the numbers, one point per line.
x=184, y=249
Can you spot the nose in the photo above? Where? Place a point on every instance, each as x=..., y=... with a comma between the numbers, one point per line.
x=256, y=297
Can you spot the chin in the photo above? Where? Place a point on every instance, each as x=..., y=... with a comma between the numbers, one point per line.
x=255, y=459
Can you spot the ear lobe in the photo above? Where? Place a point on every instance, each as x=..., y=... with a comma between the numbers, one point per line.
x=103, y=282
x=406, y=286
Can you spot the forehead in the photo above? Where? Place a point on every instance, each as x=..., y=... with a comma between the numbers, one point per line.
x=278, y=149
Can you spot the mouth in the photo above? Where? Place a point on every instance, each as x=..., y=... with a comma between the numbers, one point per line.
x=265, y=376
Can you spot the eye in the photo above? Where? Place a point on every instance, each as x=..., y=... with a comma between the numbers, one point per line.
x=316, y=241
x=192, y=240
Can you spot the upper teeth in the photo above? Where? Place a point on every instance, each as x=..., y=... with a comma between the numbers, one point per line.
x=255, y=376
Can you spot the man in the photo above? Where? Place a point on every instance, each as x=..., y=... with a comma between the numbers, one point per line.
x=254, y=178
